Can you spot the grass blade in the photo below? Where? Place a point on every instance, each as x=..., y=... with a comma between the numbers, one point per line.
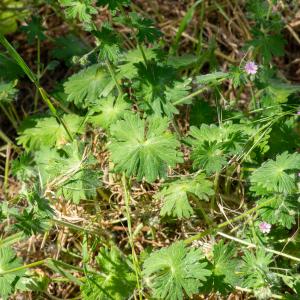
x=20, y=61
x=183, y=25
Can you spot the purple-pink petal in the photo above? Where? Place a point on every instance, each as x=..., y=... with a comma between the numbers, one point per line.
x=265, y=227
x=251, y=68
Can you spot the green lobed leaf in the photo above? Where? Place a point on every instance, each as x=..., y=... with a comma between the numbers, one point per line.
x=174, y=271
x=143, y=148
x=8, y=91
x=146, y=31
x=225, y=267
x=87, y=86
x=34, y=30
x=35, y=136
x=277, y=175
x=81, y=9
x=108, y=111
x=116, y=282
x=283, y=211
x=158, y=89
x=129, y=67
x=8, y=260
x=212, y=146
x=176, y=195
x=109, y=43
x=255, y=268
x=70, y=171
x=31, y=223
x=268, y=45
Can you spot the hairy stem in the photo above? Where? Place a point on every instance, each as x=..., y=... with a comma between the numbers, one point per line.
x=227, y=236
x=24, y=267
x=113, y=76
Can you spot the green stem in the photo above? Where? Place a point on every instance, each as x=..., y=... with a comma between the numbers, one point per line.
x=142, y=52
x=7, y=140
x=14, y=112
x=253, y=98
x=255, y=246
x=6, y=170
x=202, y=210
x=196, y=93
x=10, y=117
x=216, y=188
x=261, y=133
x=28, y=266
x=113, y=76
x=36, y=97
x=44, y=262
x=82, y=229
x=54, y=111
x=12, y=239
x=67, y=266
x=192, y=95
x=235, y=219
x=136, y=265
x=137, y=42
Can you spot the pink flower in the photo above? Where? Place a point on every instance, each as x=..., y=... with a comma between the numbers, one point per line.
x=298, y=113
x=251, y=68
x=265, y=227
